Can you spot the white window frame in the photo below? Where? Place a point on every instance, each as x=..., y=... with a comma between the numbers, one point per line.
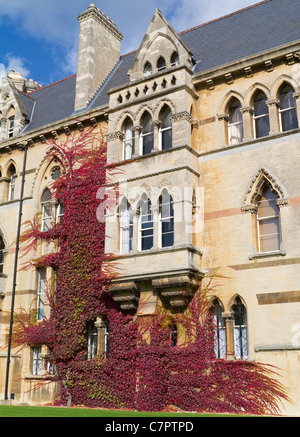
x=128, y=141
x=41, y=292
x=238, y=125
x=140, y=229
x=259, y=235
x=160, y=136
x=37, y=361
x=92, y=340
x=161, y=219
x=60, y=212
x=46, y=219
x=144, y=135
x=12, y=186
x=281, y=111
x=11, y=126
x=257, y=117
x=126, y=228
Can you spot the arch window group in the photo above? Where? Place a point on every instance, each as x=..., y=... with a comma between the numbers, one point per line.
x=148, y=140
x=161, y=64
x=231, y=331
x=146, y=225
x=260, y=114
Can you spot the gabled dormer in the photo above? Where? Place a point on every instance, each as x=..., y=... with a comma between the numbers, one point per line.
x=13, y=114
x=160, y=49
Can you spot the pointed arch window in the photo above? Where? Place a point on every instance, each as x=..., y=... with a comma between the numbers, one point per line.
x=235, y=122
x=268, y=221
x=161, y=64
x=147, y=69
x=220, y=329
x=240, y=329
x=260, y=115
x=147, y=136
x=128, y=139
x=145, y=224
x=174, y=59
x=165, y=130
x=46, y=210
x=126, y=227
x=166, y=220
x=12, y=182
x=287, y=108
x=11, y=126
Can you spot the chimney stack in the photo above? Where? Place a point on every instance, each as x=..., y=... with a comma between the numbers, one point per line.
x=98, y=52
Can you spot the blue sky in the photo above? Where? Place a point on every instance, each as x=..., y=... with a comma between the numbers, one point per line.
x=39, y=38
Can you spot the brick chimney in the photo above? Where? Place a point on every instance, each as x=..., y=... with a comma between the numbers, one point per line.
x=98, y=52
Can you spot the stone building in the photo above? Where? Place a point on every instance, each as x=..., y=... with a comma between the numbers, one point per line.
x=204, y=126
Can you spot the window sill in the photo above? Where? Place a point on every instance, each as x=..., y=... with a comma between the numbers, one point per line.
x=267, y=254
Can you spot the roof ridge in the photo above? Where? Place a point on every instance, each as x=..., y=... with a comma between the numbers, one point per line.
x=209, y=22
x=50, y=84
x=224, y=16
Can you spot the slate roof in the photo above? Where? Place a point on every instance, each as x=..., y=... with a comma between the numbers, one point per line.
x=253, y=30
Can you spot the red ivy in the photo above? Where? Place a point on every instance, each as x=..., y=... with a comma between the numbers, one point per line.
x=139, y=374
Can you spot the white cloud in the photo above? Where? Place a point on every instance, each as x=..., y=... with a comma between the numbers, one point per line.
x=17, y=64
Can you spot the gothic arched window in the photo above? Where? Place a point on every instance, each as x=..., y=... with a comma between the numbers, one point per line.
x=260, y=115
x=220, y=329
x=145, y=224
x=287, y=108
x=165, y=130
x=147, y=136
x=166, y=220
x=240, y=329
x=46, y=210
x=126, y=227
x=128, y=139
x=235, y=122
x=268, y=221
x=12, y=182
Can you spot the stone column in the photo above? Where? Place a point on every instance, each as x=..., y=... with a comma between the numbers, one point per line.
x=156, y=125
x=114, y=146
x=155, y=216
x=137, y=131
x=247, y=113
x=229, y=320
x=273, y=106
x=135, y=237
x=223, y=118
x=100, y=325
x=3, y=126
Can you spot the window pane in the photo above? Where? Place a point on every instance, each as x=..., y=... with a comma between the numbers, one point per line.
x=166, y=139
x=236, y=134
x=269, y=226
x=147, y=144
x=267, y=208
x=262, y=127
x=289, y=120
x=147, y=243
x=286, y=98
x=260, y=107
x=270, y=243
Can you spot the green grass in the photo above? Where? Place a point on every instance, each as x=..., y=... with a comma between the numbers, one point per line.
x=29, y=411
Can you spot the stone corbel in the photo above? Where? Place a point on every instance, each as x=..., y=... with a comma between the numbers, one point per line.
x=114, y=136
x=269, y=66
x=229, y=78
x=282, y=202
x=248, y=71
x=177, y=290
x=126, y=294
x=249, y=209
x=182, y=116
x=210, y=84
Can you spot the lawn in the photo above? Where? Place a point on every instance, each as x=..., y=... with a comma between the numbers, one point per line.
x=29, y=411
